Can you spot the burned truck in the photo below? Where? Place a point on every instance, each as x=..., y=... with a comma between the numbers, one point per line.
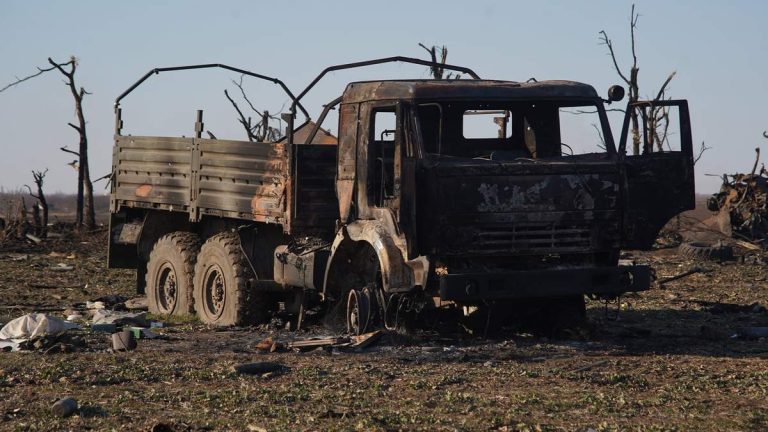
x=412, y=208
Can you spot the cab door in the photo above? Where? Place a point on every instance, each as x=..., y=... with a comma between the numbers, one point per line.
x=659, y=182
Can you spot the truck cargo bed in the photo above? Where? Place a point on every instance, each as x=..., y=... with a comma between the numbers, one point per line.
x=235, y=179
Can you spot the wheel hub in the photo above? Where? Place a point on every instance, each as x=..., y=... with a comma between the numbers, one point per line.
x=167, y=288
x=358, y=311
x=215, y=291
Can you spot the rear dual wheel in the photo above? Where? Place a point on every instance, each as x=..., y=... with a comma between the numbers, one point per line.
x=224, y=284
x=169, y=274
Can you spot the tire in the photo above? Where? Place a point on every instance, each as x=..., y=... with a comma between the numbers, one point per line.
x=701, y=250
x=170, y=272
x=223, y=285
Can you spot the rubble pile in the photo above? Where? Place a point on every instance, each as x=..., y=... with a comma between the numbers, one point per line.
x=742, y=203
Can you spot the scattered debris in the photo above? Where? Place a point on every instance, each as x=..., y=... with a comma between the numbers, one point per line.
x=161, y=427
x=61, y=267
x=143, y=333
x=729, y=308
x=95, y=305
x=64, y=407
x=106, y=316
x=701, y=250
x=138, y=303
x=32, y=326
x=75, y=316
x=751, y=333
x=268, y=345
x=263, y=369
x=742, y=204
x=123, y=341
x=589, y=366
x=712, y=334
x=694, y=270
x=358, y=342
x=33, y=239
x=104, y=328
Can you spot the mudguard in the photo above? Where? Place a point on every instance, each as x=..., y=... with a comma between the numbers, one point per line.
x=390, y=246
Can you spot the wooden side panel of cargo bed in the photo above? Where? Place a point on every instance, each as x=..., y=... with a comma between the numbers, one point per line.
x=153, y=172
x=240, y=179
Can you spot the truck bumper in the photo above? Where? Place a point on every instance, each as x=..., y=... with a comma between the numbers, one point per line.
x=470, y=287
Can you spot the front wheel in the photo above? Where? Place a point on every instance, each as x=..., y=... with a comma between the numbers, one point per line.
x=224, y=293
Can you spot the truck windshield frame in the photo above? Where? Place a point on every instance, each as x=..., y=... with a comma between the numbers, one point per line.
x=528, y=129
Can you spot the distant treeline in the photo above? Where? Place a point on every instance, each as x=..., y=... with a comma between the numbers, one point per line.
x=61, y=206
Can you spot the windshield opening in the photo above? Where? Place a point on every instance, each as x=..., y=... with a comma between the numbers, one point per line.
x=513, y=130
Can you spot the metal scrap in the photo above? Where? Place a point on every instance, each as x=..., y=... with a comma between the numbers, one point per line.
x=742, y=203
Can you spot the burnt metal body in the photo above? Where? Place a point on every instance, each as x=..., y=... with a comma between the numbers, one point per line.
x=418, y=208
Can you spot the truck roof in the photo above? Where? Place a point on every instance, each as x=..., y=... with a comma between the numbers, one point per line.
x=466, y=89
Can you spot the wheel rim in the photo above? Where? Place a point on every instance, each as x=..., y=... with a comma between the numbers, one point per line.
x=358, y=312
x=214, y=292
x=166, y=289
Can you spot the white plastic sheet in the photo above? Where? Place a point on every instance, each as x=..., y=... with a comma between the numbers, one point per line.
x=31, y=326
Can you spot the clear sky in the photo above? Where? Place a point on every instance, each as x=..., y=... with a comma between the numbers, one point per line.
x=719, y=50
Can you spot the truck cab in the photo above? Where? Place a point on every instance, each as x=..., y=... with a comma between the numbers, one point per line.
x=512, y=214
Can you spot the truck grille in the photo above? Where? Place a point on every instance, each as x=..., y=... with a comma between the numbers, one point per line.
x=534, y=238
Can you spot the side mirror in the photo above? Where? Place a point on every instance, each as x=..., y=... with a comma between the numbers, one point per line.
x=615, y=93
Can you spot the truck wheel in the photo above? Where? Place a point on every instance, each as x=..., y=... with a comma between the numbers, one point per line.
x=223, y=292
x=701, y=250
x=169, y=274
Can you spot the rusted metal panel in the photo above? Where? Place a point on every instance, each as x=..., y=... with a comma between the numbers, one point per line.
x=465, y=89
x=347, y=160
x=316, y=207
x=552, y=282
x=238, y=178
x=154, y=171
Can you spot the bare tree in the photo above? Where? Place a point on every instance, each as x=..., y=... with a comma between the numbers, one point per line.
x=657, y=119
x=41, y=226
x=261, y=130
x=85, y=209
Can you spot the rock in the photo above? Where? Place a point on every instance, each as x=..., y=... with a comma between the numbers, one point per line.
x=64, y=407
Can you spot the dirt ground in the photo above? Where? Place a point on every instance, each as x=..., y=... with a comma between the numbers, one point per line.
x=665, y=359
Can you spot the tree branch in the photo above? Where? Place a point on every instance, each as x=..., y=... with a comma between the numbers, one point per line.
x=701, y=152
x=242, y=92
x=607, y=42
x=66, y=150
x=664, y=86
x=30, y=192
x=40, y=71
x=246, y=123
x=632, y=26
